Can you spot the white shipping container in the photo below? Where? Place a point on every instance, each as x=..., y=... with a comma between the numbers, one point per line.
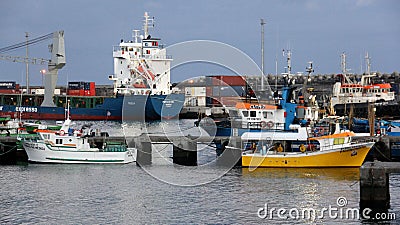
x=201, y=101
x=195, y=91
x=195, y=101
x=40, y=91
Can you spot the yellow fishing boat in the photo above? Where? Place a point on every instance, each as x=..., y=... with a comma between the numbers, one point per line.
x=336, y=150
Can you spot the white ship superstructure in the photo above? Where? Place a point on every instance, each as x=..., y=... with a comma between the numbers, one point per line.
x=350, y=92
x=141, y=66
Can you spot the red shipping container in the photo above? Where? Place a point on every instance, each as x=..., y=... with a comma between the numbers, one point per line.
x=92, y=89
x=74, y=92
x=8, y=91
x=209, y=91
x=228, y=81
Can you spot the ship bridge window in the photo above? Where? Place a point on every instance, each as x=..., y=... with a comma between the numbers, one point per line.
x=253, y=113
x=245, y=113
x=267, y=115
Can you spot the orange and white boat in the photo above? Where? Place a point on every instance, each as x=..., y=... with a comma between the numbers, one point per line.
x=350, y=92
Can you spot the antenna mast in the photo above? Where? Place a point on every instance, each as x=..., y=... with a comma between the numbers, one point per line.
x=368, y=62
x=343, y=63
x=27, y=63
x=147, y=22
x=262, y=53
x=136, y=35
x=288, y=60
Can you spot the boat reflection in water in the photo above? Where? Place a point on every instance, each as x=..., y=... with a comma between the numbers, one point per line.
x=348, y=174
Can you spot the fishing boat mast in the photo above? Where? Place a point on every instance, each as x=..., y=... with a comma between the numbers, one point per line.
x=262, y=54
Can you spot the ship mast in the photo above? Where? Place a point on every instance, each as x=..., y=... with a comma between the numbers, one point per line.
x=344, y=68
x=27, y=63
x=343, y=63
x=147, y=22
x=136, y=35
x=288, y=61
x=368, y=62
x=262, y=54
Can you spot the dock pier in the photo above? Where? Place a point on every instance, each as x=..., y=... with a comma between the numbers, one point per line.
x=184, y=148
x=374, y=186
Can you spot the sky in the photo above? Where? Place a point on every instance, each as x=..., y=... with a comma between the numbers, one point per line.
x=314, y=30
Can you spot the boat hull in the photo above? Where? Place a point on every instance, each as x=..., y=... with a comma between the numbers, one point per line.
x=42, y=153
x=152, y=107
x=350, y=157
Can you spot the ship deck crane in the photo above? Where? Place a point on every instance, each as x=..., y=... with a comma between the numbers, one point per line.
x=57, y=61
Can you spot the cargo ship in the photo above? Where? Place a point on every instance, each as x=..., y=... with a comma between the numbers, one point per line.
x=141, y=86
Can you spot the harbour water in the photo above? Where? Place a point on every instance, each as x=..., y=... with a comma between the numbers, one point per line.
x=168, y=194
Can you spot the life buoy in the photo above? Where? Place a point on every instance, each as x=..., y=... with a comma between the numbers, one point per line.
x=303, y=148
x=263, y=124
x=270, y=124
x=279, y=148
x=62, y=132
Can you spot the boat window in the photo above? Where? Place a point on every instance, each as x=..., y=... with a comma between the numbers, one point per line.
x=253, y=113
x=245, y=113
x=59, y=141
x=233, y=113
x=265, y=115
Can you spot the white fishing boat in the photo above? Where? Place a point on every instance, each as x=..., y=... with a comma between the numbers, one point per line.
x=72, y=146
x=348, y=92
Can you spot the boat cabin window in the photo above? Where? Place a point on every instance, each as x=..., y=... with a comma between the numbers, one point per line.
x=267, y=115
x=59, y=141
x=245, y=113
x=233, y=113
x=253, y=113
x=46, y=136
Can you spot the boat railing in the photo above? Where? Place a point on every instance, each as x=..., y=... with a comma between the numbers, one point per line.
x=117, y=52
x=265, y=125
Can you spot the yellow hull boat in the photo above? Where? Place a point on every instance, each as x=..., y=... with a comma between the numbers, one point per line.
x=335, y=150
x=352, y=156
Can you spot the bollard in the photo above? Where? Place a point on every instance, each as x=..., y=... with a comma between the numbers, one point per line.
x=374, y=189
x=185, y=152
x=231, y=156
x=144, y=153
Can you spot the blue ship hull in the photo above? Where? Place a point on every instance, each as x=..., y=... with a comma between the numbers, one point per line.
x=135, y=107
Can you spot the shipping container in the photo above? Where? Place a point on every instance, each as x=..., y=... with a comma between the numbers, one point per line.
x=8, y=91
x=81, y=88
x=7, y=85
x=195, y=91
x=228, y=80
x=40, y=91
x=228, y=91
x=75, y=85
x=195, y=101
x=208, y=91
x=222, y=101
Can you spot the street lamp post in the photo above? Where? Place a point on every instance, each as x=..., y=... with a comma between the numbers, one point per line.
x=43, y=71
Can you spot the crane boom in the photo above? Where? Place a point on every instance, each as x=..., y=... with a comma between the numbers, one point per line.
x=57, y=61
x=21, y=59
